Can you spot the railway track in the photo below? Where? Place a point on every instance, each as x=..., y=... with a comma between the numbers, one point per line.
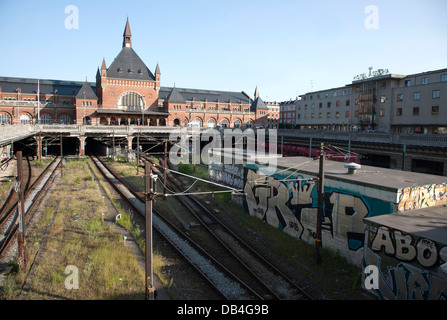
x=224, y=281
x=275, y=283
x=9, y=223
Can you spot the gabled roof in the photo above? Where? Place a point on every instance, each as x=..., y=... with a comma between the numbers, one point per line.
x=128, y=65
x=47, y=86
x=258, y=104
x=175, y=96
x=87, y=89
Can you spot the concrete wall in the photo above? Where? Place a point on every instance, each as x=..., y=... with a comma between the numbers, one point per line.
x=292, y=207
x=408, y=266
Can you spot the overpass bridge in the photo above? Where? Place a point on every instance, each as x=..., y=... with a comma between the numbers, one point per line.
x=400, y=151
x=425, y=153
x=10, y=134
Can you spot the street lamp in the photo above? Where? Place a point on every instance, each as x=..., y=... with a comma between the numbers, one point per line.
x=84, y=120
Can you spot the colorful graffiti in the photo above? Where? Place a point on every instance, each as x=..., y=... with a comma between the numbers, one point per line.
x=422, y=197
x=409, y=267
x=292, y=207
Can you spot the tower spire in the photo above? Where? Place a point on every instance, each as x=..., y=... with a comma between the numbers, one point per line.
x=127, y=36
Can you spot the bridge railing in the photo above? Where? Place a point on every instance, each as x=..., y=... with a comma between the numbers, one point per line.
x=9, y=133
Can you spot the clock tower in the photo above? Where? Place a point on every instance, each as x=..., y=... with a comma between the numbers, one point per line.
x=127, y=36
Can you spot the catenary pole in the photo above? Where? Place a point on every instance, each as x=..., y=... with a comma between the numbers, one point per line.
x=320, y=214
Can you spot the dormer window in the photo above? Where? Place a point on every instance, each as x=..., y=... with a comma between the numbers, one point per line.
x=140, y=71
x=119, y=70
x=130, y=70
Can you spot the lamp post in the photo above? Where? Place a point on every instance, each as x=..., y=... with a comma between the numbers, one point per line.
x=84, y=120
x=38, y=101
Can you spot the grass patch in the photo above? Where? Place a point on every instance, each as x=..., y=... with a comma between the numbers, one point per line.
x=78, y=237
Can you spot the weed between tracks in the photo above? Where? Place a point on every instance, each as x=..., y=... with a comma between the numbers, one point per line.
x=78, y=237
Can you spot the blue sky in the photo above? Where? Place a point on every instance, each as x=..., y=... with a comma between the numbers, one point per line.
x=285, y=48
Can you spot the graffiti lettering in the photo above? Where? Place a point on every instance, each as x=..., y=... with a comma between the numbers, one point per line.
x=404, y=281
x=405, y=248
x=292, y=207
x=422, y=197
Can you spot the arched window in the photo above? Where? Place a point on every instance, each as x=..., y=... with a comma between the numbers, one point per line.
x=25, y=119
x=45, y=119
x=65, y=119
x=5, y=118
x=131, y=101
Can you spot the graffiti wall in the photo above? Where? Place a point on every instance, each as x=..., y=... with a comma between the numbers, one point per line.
x=229, y=174
x=291, y=206
x=409, y=267
x=422, y=197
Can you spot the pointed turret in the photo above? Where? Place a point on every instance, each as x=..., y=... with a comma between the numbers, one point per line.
x=103, y=66
x=256, y=93
x=157, y=70
x=127, y=36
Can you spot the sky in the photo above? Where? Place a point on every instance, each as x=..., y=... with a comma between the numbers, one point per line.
x=284, y=47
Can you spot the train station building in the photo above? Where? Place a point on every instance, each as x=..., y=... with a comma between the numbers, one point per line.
x=126, y=92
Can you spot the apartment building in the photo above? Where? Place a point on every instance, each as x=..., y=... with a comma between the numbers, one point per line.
x=379, y=101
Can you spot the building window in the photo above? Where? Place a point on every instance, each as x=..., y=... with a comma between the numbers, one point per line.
x=398, y=112
x=25, y=119
x=65, y=119
x=5, y=118
x=347, y=114
x=435, y=94
x=131, y=100
x=337, y=114
x=328, y=104
x=415, y=111
x=45, y=119
x=382, y=112
x=382, y=99
x=348, y=102
x=424, y=80
x=435, y=110
x=337, y=103
x=400, y=97
x=443, y=77
x=407, y=83
x=416, y=96
x=383, y=84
